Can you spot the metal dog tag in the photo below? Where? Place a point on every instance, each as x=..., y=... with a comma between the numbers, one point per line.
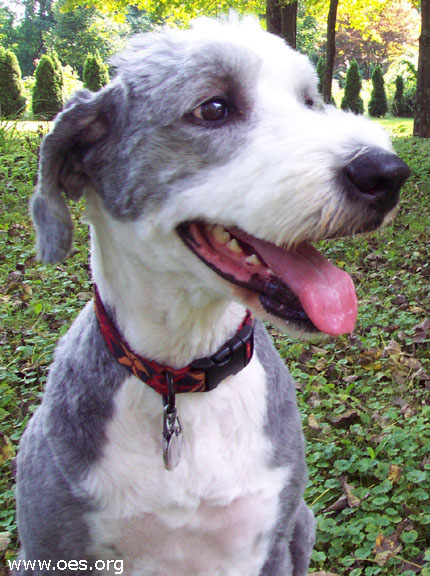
x=172, y=439
x=172, y=430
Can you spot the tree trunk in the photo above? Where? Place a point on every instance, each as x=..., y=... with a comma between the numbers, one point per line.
x=273, y=17
x=281, y=19
x=331, y=50
x=422, y=107
x=289, y=23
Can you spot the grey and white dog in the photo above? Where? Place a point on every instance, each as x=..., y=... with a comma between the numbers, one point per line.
x=209, y=166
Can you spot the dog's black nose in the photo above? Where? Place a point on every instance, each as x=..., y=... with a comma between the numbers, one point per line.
x=378, y=175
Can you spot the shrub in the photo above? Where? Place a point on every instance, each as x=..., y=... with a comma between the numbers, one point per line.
x=321, y=73
x=378, y=105
x=59, y=75
x=12, y=101
x=398, y=102
x=351, y=99
x=47, y=93
x=96, y=73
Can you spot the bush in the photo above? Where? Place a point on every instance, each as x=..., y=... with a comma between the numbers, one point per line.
x=351, y=99
x=378, y=105
x=321, y=73
x=12, y=101
x=47, y=93
x=399, y=102
x=59, y=76
x=96, y=73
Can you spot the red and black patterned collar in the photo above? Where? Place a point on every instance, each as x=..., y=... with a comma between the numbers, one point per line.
x=202, y=375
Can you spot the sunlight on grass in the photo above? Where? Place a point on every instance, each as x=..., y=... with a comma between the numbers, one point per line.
x=397, y=126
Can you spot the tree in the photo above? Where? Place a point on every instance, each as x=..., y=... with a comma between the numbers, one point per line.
x=162, y=11
x=7, y=30
x=96, y=73
x=330, y=50
x=378, y=105
x=83, y=31
x=422, y=107
x=47, y=98
x=38, y=19
x=374, y=36
x=281, y=19
x=351, y=99
x=12, y=101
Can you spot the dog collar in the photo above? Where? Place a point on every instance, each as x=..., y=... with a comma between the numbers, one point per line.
x=202, y=375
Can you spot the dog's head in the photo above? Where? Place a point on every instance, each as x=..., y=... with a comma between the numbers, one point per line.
x=217, y=136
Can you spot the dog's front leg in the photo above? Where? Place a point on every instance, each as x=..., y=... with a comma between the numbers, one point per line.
x=303, y=540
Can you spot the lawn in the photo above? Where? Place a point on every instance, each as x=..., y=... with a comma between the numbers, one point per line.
x=397, y=126
x=364, y=398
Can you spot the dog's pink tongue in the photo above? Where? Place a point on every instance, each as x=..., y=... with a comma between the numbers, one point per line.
x=326, y=293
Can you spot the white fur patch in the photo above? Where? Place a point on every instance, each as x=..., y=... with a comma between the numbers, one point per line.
x=210, y=516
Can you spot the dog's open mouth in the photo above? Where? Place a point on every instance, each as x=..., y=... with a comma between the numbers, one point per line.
x=299, y=286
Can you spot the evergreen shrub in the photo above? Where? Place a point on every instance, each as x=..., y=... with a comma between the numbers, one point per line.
x=96, y=73
x=351, y=99
x=378, y=105
x=321, y=73
x=47, y=98
x=398, y=108
x=12, y=101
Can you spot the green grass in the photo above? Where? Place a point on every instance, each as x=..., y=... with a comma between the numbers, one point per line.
x=397, y=126
x=364, y=398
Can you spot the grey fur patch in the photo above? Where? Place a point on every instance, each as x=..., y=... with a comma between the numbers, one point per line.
x=296, y=523
x=135, y=142
x=65, y=437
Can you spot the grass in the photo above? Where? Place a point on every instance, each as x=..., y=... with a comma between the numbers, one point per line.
x=364, y=398
x=397, y=126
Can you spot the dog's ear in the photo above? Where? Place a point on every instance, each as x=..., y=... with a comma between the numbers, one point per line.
x=82, y=124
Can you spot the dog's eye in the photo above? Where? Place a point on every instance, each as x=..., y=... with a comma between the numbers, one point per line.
x=212, y=110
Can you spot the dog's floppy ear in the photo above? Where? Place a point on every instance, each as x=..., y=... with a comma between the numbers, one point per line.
x=81, y=124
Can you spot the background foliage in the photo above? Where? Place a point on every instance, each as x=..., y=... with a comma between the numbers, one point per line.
x=12, y=101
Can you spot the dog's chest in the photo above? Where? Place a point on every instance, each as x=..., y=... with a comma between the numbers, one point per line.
x=213, y=515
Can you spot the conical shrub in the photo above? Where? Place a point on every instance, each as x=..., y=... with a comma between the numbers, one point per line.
x=351, y=99
x=378, y=105
x=12, y=101
x=399, y=98
x=47, y=98
x=96, y=73
x=321, y=73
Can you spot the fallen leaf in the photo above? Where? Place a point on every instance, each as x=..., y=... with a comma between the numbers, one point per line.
x=394, y=473
x=7, y=450
x=353, y=501
x=340, y=504
x=411, y=363
x=386, y=548
x=346, y=419
x=4, y=541
x=313, y=423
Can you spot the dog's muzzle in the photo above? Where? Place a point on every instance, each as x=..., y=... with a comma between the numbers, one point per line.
x=298, y=285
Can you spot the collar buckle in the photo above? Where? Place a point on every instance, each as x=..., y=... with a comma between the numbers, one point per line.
x=230, y=359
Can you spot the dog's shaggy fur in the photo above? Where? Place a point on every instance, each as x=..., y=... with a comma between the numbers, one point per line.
x=217, y=125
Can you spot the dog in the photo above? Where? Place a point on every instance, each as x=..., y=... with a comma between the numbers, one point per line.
x=168, y=440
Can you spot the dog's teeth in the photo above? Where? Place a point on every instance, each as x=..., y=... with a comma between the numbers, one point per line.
x=254, y=260
x=234, y=246
x=221, y=235
x=270, y=272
